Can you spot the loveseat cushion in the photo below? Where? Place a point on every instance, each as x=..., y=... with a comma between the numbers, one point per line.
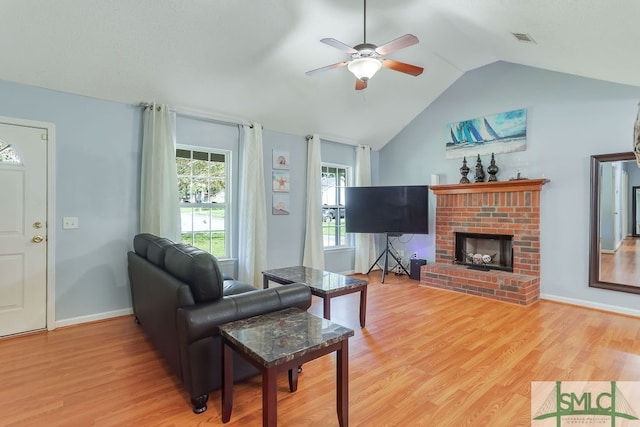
x=141, y=243
x=156, y=250
x=234, y=287
x=197, y=268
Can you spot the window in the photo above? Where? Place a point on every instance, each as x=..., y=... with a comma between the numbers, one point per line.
x=7, y=154
x=334, y=180
x=203, y=184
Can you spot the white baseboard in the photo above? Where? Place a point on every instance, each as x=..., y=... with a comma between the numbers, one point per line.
x=93, y=317
x=589, y=304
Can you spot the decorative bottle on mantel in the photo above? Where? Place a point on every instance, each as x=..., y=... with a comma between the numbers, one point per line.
x=493, y=169
x=464, y=170
x=479, y=170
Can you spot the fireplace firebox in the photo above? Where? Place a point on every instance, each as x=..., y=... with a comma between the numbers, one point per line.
x=484, y=251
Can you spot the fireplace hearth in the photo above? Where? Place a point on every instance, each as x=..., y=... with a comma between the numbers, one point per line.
x=509, y=213
x=484, y=251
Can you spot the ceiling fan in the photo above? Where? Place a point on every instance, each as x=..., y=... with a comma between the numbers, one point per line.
x=367, y=58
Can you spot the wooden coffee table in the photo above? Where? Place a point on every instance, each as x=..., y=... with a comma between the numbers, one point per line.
x=278, y=342
x=323, y=284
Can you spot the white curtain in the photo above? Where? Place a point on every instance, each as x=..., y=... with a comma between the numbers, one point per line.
x=252, y=223
x=365, y=246
x=313, y=256
x=159, y=211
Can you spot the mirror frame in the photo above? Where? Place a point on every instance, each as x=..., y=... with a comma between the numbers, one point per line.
x=594, y=222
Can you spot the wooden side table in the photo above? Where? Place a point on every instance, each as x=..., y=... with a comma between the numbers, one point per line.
x=278, y=342
x=323, y=284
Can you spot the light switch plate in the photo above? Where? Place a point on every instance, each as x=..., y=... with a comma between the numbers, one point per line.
x=70, y=222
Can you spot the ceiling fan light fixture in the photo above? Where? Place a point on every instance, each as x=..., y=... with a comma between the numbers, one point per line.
x=364, y=68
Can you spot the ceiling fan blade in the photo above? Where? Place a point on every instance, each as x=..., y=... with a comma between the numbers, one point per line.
x=360, y=84
x=339, y=45
x=328, y=67
x=399, y=43
x=402, y=67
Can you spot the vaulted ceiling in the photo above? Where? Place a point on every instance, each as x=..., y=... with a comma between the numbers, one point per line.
x=246, y=59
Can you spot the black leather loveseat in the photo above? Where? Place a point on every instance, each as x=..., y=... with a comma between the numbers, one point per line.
x=180, y=297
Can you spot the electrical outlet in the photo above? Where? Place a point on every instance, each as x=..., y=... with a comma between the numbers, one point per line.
x=414, y=256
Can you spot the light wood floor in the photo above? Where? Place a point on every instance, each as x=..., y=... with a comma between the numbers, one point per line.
x=426, y=358
x=623, y=266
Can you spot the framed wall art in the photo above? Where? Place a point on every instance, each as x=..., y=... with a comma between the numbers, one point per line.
x=280, y=159
x=499, y=133
x=280, y=181
x=281, y=204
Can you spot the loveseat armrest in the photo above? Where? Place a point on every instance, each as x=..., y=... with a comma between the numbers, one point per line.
x=202, y=320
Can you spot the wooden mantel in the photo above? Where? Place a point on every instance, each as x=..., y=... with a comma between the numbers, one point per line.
x=490, y=187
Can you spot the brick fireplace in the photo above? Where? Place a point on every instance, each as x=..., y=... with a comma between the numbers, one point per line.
x=502, y=208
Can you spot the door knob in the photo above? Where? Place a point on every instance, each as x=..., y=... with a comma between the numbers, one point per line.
x=37, y=239
x=37, y=224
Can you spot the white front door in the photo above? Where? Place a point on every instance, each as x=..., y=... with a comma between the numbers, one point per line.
x=23, y=228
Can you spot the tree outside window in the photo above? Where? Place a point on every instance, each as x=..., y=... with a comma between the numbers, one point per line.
x=335, y=179
x=202, y=189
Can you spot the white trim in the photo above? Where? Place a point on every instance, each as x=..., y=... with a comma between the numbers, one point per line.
x=613, y=251
x=51, y=209
x=333, y=249
x=51, y=226
x=589, y=304
x=93, y=317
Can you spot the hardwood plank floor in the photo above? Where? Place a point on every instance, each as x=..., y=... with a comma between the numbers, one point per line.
x=426, y=358
x=623, y=266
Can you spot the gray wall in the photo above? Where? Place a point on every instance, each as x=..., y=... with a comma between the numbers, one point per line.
x=97, y=162
x=569, y=119
x=97, y=180
x=286, y=233
x=98, y=156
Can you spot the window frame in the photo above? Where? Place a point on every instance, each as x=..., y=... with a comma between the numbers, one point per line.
x=228, y=196
x=345, y=237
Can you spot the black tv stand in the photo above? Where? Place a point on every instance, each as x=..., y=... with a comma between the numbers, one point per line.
x=386, y=252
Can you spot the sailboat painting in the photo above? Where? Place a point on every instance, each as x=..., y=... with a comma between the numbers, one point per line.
x=500, y=133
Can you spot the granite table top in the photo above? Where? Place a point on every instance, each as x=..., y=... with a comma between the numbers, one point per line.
x=323, y=281
x=276, y=338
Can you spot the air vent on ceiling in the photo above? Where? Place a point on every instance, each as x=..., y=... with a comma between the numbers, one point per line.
x=523, y=37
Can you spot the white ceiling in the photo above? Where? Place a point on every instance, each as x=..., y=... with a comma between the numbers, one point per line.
x=246, y=59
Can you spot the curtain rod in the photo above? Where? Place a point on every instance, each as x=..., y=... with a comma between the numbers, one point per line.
x=185, y=112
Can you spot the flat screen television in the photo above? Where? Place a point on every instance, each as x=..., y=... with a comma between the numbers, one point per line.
x=397, y=209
